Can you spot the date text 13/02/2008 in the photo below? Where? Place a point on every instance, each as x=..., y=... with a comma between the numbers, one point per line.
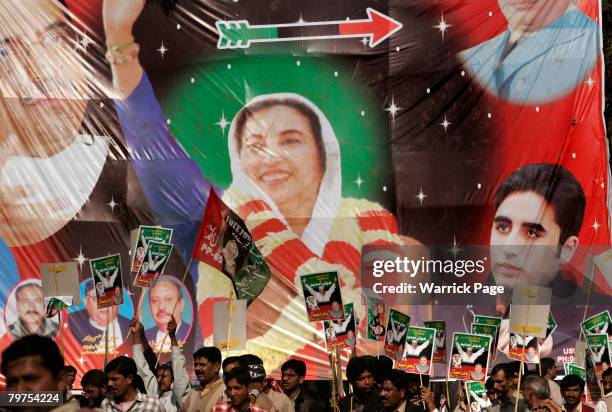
x=461, y=288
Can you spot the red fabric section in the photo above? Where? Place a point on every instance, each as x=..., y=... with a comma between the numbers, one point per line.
x=377, y=220
x=268, y=227
x=344, y=254
x=288, y=257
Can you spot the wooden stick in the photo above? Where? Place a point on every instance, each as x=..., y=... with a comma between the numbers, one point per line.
x=106, y=337
x=229, y=324
x=518, y=386
x=588, y=299
x=422, y=400
x=447, y=393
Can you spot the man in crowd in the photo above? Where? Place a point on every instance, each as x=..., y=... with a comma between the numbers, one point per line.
x=34, y=364
x=360, y=373
x=270, y=400
x=94, y=387
x=503, y=382
x=122, y=375
x=536, y=394
x=491, y=392
x=549, y=371
x=293, y=372
x=237, y=382
x=31, y=312
x=572, y=389
x=68, y=375
x=230, y=363
x=393, y=391
x=206, y=364
x=605, y=404
x=171, y=385
x=163, y=297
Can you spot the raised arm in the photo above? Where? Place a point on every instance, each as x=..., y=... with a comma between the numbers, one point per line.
x=144, y=371
x=329, y=293
x=423, y=346
x=395, y=337
x=172, y=182
x=402, y=333
x=601, y=352
x=311, y=291
x=478, y=353
x=478, y=399
x=119, y=18
x=346, y=322
x=181, y=385
x=460, y=349
x=114, y=276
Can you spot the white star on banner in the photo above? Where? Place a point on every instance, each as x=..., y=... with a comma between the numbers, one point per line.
x=445, y=123
x=442, y=26
x=455, y=249
x=393, y=108
x=85, y=41
x=112, y=204
x=222, y=123
x=590, y=81
x=359, y=181
x=162, y=50
x=80, y=259
x=421, y=196
x=596, y=226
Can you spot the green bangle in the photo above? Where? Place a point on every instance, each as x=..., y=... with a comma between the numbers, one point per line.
x=119, y=48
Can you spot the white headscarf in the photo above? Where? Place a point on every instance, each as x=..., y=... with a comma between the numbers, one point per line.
x=328, y=198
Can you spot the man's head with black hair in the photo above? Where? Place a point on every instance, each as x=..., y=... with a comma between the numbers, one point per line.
x=293, y=372
x=206, y=364
x=250, y=359
x=165, y=377
x=548, y=368
x=122, y=374
x=230, y=363
x=33, y=363
x=606, y=381
x=237, y=382
x=69, y=375
x=384, y=365
x=94, y=386
x=360, y=373
x=502, y=375
x=394, y=389
x=539, y=211
x=572, y=389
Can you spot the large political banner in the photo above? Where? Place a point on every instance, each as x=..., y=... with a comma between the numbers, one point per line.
x=327, y=127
